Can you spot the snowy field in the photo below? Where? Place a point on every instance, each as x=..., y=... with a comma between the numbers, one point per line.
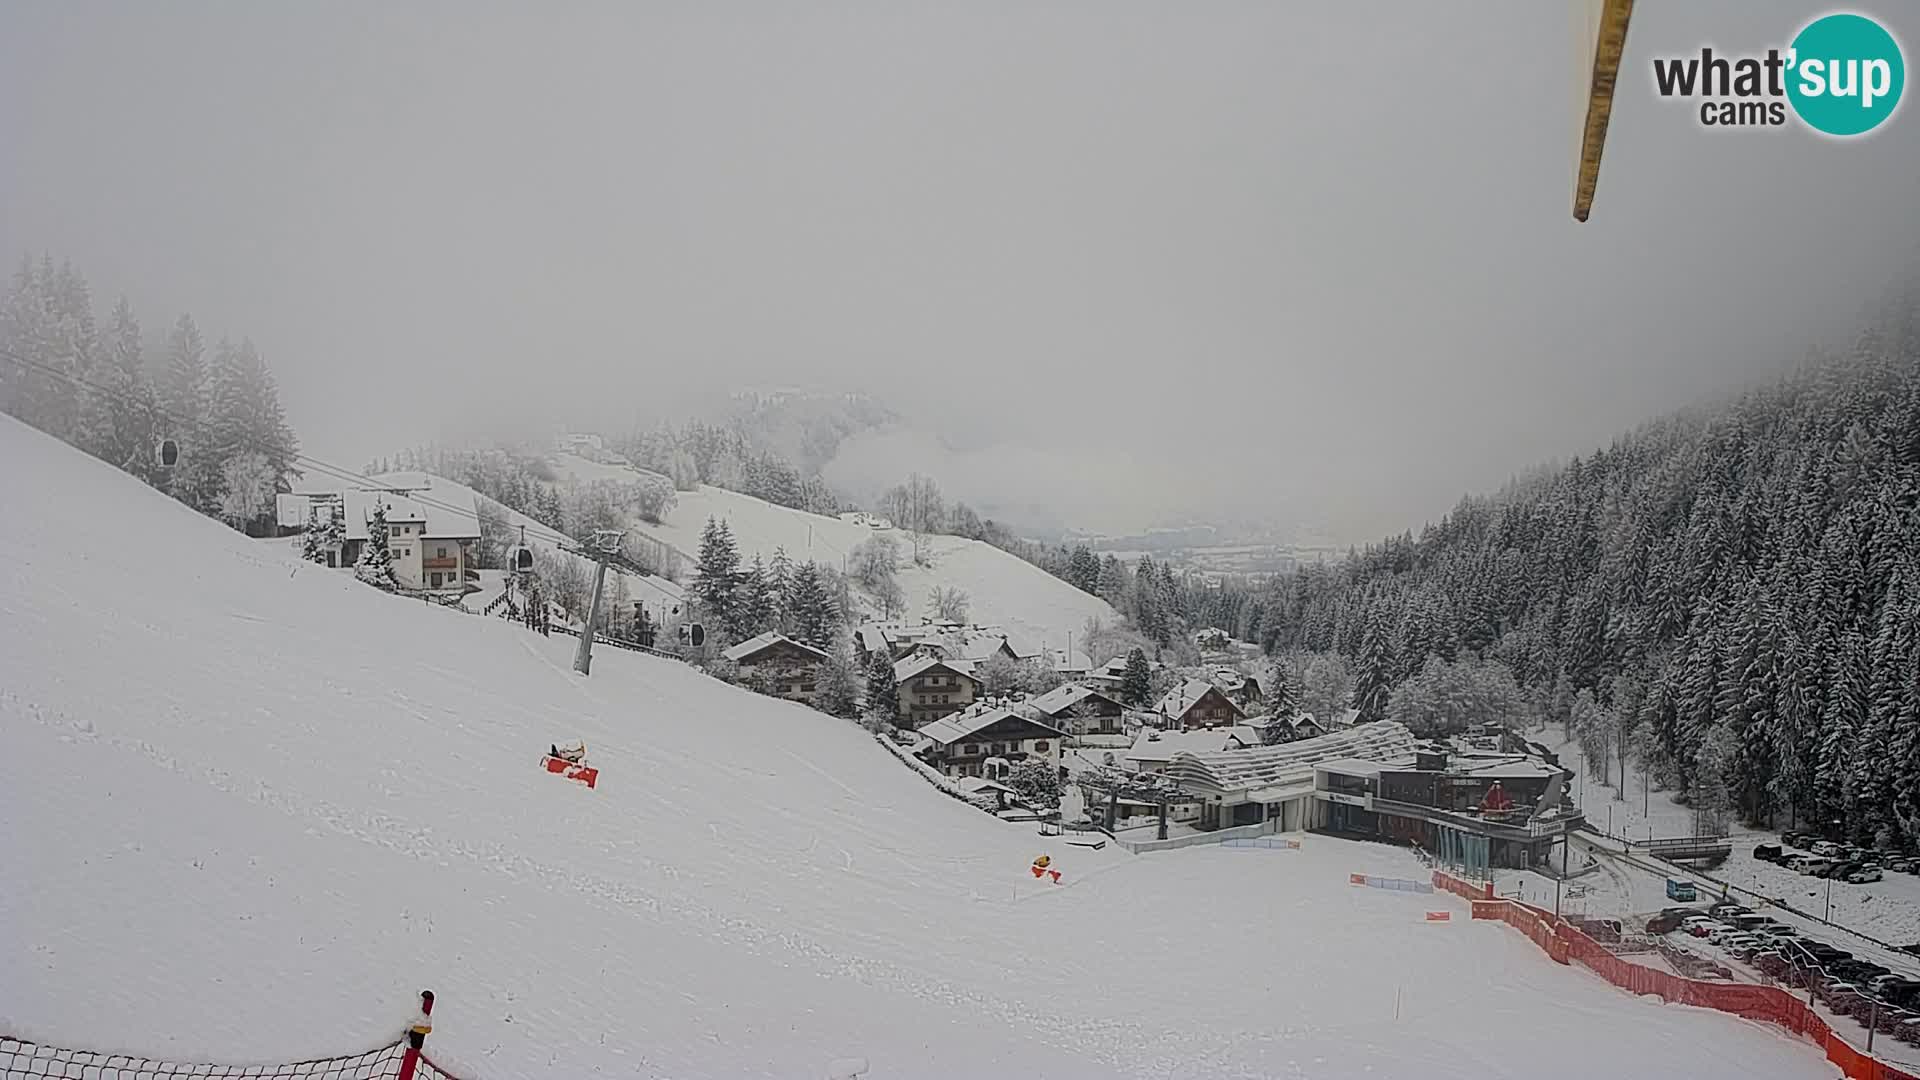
x=1004, y=590
x=253, y=806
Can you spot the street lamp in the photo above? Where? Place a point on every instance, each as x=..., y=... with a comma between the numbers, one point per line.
x=1829, y=915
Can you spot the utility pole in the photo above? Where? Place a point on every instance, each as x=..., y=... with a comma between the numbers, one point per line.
x=605, y=552
x=1565, y=842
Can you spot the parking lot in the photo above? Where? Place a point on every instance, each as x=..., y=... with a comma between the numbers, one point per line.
x=1845, y=987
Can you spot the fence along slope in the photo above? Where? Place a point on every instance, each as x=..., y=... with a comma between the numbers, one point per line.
x=1567, y=944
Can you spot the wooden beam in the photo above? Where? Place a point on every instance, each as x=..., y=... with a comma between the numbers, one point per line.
x=1609, y=43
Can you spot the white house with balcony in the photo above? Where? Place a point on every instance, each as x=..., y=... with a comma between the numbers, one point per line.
x=431, y=541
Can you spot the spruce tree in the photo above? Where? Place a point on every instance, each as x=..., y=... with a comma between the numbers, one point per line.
x=1283, y=700
x=837, y=679
x=883, y=693
x=1373, y=676
x=1136, y=679
x=310, y=539
x=753, y=607
x=717, y=574
x=376, y=559
x=810, y=608
x=779, y=589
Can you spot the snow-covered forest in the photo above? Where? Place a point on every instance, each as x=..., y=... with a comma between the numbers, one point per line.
x=101, y=388
x=1731, y=594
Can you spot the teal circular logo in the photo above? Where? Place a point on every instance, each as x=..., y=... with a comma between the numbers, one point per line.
x=1847, y=74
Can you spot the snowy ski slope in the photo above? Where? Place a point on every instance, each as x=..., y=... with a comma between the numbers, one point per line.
x=252, y=806
x=1004, y=590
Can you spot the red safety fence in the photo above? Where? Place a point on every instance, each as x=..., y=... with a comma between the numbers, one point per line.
x=1566, y=943
x=1466, y=890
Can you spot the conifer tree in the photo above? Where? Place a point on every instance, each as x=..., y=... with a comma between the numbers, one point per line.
x=810, y=608
x=717, y=574
x=376, y=559
x=1136, y=679
x=883, y=692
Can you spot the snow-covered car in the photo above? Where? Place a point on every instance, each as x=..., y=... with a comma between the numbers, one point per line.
x=1864, y=875
x=1726, y=935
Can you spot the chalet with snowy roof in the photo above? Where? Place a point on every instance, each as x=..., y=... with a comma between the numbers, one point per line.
x=1153, y=749
x=1242, y=689
x=1198, y=703
x=1109, y=675
x=963, y=743
x=930, y=688
x=430, y=540
x=1080, y=710
x=787, y=662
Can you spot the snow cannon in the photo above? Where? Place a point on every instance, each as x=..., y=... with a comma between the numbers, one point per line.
x=570, y=762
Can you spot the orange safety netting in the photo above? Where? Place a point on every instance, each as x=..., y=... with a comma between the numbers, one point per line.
x=1771, y=1004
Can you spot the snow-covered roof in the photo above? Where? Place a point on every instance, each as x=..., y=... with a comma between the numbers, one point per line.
x=952, y=728
x=765, y=640
x=1247, y=734
x=1072, y=662
x=440, y=519
x=1288, y=763
x=973, y=785
x=1347, y=766
x=1185, y=696
x=1021, y=647
x=1156, y=745
x=1064, y=697
x=872, y=638
x=1510, y=768
x=918, y=664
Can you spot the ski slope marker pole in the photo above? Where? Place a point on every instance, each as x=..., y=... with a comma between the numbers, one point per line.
x=417, y=1036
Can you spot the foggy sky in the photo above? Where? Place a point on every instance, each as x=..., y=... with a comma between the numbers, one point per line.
x=1306, y=262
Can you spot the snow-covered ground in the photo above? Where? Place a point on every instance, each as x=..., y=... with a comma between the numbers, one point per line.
x=253, y=806
x=1004, y=590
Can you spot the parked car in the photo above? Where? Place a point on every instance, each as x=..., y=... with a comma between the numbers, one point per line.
x=1768, y=852
x=1879, y=983
x=1902, y=992
x=1793, y=839
x=1669, y=920
x=1797, y=862
x=1902, y=864
x=1700, y=926
x=1863, y=875
x=1827, y=849
x=1726, y=909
